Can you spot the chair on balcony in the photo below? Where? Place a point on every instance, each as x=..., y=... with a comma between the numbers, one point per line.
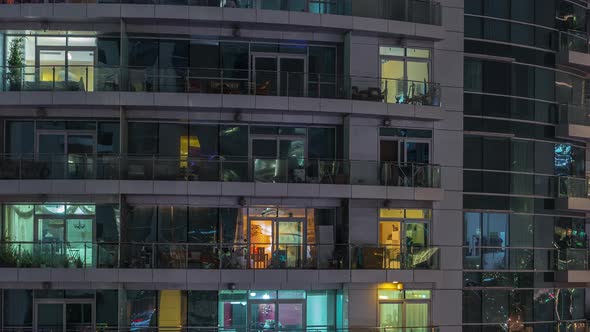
x=260, y=258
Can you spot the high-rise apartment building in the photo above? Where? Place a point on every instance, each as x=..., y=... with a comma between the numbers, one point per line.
x=279, y=165
x=525, y=201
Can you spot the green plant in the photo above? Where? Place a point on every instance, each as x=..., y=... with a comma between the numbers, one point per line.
x=15, y=63
x=7, y=256
x=79, y=263
x=25, y=259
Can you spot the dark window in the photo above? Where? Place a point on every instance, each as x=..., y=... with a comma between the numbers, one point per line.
x=473, y=75
x=321, y=143
x=495, y=306
x=169, y=141
x=107, y=307
x=472, y=306
x=107, y=140
x=473, y=152
x=522, y=10
x=107, y=228
x=203, y=225
x=496, y=30
x=496, y=154
x=202, y=308
x=206, y=138
x=143, y=138
x=172, y=224
x=18, y=307
x=473, y=27
x=20, y=137
x=140, y=226
x=497, y=8
x=204, y=54
x=474, y=7
x=522, y=34
x=229, y=225
x=143, y=52
x=108, y=53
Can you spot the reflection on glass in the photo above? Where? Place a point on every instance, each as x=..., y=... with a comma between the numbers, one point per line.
x=290, y=240
x=262, y=316
x=390, y=315
x=50, y=316
x=80, y=237
x=290, y=316
x=261, y=232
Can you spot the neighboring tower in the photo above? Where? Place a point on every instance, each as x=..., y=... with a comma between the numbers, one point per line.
x=525, y=195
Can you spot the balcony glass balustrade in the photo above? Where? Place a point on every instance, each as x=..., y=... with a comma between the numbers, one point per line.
x=219, y=81
x=416, y=11
x=216, y=256
x=218, y=168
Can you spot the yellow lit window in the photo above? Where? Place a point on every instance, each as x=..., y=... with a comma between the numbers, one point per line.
x=391, y=213
x=188, y=144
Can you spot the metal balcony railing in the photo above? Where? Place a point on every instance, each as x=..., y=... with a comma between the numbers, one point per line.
x=573, y=187
x=574, y=114
x=572, y=40
x=506, y=258
x=219, y=81
x=417, y=11
x=218, y=168
x=59, y=254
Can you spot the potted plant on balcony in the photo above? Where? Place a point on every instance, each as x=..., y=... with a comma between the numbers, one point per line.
x=7, y=257
x=15, y=63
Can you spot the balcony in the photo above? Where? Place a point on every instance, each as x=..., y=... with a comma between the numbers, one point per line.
x=245, y=89
x=573, y=194
x=574, y=121
x=506, y=258
x=415, y=11
x=216, y=256
x=574, y=49
x=218, y=175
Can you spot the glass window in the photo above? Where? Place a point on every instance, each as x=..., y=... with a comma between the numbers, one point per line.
x=20, y=137
x=18, y=223
x=81, y=41
x=496, y=8
x=522, y=10
x=230, y=219
x=107, y=222
x=107, y=308
x=202, y=308
x=473, y=75
x=18, y=307
x=233, y=140
x=169, y=139
x=474, y=7
x=173, y=53
x=291, y=294
x=322, y=60
x=202, y=225
x=108, y=54
x=108, y=137
x=233, y=310
x=321, y=143
x=262, y=295
x=172, y=224
x=320, y=307
x=496, y=306
x=143, y=52
x=139, y=308
x=543, y=304
x=51, y=41
x=203, y=140
x=143, y=138
x=140, y=225
x=390, y=294
x=417, y=294
x=496, y=153
x=472, y=306
x=522, y=155
x=204, y=54
x=496, y=30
